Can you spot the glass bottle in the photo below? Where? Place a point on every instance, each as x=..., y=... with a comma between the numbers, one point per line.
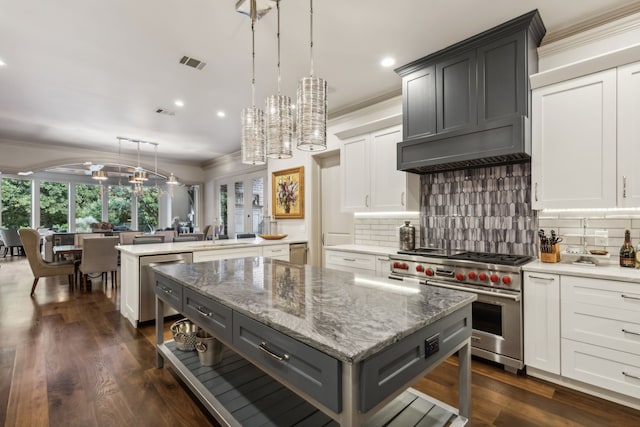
x=627, y=253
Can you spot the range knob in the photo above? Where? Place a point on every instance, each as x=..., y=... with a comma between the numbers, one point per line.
x=404, y=266
x=396, y=265
x=506, y=280
x=494, y=278
x=419, y=268
x=429, y=272
x=473, y=275
x=482, y=276
x=460, y=277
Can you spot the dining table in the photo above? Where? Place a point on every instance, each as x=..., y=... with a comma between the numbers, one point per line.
x=74, y=252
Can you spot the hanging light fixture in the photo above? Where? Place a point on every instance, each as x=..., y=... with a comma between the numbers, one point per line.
x=278, y=116
x=99, y=175
x=172, y=180
x=253, y=143
x=312, y=107
x=140, y=175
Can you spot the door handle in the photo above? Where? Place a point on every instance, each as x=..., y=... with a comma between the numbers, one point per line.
x=366, y=201
x=263, y=348
x=628, y=297
x=624, y=187
x=535, y=193
x=550, y=279
x=402, y=198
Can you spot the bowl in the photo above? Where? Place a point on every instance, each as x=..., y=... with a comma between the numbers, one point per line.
x=598, y=252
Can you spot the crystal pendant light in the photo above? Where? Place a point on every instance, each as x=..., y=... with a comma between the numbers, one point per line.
x=139, y=175
x=312, y=107
x=253, y=143
x=278, y=116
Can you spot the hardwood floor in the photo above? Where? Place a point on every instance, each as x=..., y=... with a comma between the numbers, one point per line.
x=69, y=359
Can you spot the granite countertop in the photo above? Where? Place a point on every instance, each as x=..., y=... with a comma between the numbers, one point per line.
x=604, y=271
x=205, y=245
x=373, y=250
x=347, y=316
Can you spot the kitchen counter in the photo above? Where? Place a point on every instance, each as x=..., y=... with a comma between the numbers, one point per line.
x=604, y=271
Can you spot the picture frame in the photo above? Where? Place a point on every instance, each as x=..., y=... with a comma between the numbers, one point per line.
x=287, y=193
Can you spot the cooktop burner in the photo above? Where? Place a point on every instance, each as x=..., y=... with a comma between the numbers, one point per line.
x=491, y=258
x=432, y=252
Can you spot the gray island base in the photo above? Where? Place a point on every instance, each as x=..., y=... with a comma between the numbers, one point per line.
x=312, y=346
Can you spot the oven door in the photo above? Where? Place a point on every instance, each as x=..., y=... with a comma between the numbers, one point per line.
x=497, y=324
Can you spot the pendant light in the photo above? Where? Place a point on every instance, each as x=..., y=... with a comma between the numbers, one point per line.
x=253, y=144
x=312, y=107
x=99, y=175
x=139, y=175
x=278, y=116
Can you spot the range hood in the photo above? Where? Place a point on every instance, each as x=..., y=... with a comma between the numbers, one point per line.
x=468, y=105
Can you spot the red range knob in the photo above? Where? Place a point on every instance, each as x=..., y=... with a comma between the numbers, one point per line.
x=506, y=280
x=494, y=278
x=429, y=272
x=404, y=266
x=473, y=275
x=482, y=277
x=396, y=265
x=419, y=268
x=460, y=277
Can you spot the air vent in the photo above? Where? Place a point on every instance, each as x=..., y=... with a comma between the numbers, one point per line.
x=160, y=110
x=192, y=62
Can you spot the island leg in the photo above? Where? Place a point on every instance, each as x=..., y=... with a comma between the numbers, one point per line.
x=159, y=330
x=464, y=378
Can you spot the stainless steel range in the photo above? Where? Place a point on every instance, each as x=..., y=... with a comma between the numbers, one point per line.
x=495, y=278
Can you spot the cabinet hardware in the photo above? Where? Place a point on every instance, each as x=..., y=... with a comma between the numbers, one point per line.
x=535, y=192
x=366, y=201
x=204, y=313
x=349, y=259
x=626, y=374
x=624, y=187
x=474, y=338
x=402, y=197
x=628, y=297
x=263, y=347
x=550, y=279
x=383, y=259
x=276, y=250
x=630, y=332
x=167, y=290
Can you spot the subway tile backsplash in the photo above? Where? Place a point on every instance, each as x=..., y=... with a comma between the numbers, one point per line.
x=383, y=231
x=483, y=209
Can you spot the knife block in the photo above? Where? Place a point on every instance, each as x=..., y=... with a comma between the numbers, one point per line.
x=553, y=256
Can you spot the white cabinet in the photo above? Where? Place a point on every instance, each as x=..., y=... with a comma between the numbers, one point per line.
x=541, y=295
x=573, y=161
x=353, y=262
x=629, y=135
x=585, y=136
x=370, y=179
x=280, y=252
x=383, y=267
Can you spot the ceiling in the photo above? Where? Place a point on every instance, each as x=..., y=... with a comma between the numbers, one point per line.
x=80, y=73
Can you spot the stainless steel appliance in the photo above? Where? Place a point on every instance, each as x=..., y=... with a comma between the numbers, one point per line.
x=298, y=253
x=147, y=285
x=497, y=281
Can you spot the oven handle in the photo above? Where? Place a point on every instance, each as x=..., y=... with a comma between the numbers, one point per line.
x=515, y=298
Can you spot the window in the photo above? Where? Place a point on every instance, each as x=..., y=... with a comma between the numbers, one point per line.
x=148, y=209
x=54, y=205
x=120, y=207
x=16, y=203
x=88, y=206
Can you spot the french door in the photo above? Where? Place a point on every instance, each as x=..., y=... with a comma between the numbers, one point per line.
x=241, y=204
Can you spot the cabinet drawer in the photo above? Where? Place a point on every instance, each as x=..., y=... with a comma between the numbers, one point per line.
x=613, y=370
x=290, y=361
x=601, y=312
x=385, y=372
x=351, y=259
x=208, y=314
x=276, y=251
x=169, y=291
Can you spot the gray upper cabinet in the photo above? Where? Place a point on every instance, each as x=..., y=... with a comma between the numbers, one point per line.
x=469, y=104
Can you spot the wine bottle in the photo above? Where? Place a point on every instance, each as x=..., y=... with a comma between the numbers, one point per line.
x=627, y=253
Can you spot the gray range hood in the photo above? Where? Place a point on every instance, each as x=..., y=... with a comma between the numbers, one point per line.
x=468, y=105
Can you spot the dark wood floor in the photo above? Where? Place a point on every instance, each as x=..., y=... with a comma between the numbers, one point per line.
x=69, y=359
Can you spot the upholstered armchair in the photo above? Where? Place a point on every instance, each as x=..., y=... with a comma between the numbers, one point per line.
x=11, y=240
x=30, y=242
x=99, y=255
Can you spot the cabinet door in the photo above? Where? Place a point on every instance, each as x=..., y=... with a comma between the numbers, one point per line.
x=456, y=93
x=502, y=82
x=388, y=185
x=541, y=299
x=354, y=165
x=573, y=164
x=629, y=135
x=419, y=103
x=383, y=269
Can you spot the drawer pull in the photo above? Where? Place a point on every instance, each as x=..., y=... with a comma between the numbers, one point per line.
x=204, y=313
x=349, y=259
x=263, y=347
x=167, y=290
x=628, y=297
x=626, y=374
x=630, y=332
x=551, y=279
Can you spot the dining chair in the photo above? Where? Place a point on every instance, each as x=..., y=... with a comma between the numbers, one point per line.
x=185, y=239
x=99, y=255
x=40, y=268
x=167, y=234
x=11, y=240
x=245, y=235
x=143, y=240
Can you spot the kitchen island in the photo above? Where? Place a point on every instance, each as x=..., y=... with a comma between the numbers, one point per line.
x=346, y=347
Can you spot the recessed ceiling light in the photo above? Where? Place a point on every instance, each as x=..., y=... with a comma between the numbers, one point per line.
x=179, y=103
x=2, y=63
x=221, y=114
x=388, y=62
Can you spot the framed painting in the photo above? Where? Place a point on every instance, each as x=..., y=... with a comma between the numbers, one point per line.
x=287, y=188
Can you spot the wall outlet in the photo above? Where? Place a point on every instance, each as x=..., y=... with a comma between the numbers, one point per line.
x=602, y=237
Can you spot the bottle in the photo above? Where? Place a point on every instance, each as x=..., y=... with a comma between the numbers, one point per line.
x=627, y=253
